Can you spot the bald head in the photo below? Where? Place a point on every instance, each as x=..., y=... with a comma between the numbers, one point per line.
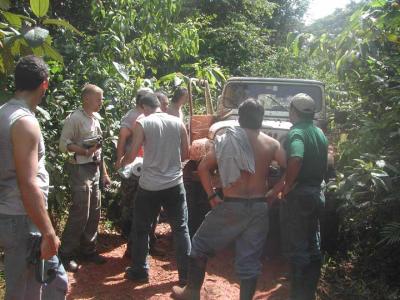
x=92, y=97
x=90, y=89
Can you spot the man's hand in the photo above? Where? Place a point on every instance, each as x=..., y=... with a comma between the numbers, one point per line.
x=49, y=246
x=271, y=197
x=214, y=202
x=106, y=180
x=91, y=151
x=286, y=189
x=117, y=164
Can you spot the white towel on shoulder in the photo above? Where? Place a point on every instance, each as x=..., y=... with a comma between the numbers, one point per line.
x=234, y=154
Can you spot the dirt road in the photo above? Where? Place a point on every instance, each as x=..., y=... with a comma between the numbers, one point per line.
x=107, y=281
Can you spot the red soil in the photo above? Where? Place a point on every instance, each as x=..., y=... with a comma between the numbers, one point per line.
x=107, y=281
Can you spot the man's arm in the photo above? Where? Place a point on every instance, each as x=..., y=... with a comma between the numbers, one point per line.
x=280, y=158
x=124, y=134
x=138, y=141
x=67, y=140
x=106, y=177
x=25, y=136
x=184, y=143
x=292, y=171
x=206, y=166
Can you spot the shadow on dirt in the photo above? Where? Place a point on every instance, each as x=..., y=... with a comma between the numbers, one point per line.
x=107, y=281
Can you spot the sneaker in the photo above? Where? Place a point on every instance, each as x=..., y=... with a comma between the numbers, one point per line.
x=136, y=276
x=94, y=258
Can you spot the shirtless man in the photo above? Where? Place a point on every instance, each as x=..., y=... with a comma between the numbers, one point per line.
x=242, y=216
x=164, y=102
x=179, y=99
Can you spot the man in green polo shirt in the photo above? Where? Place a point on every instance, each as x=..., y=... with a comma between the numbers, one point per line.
x=307, y=151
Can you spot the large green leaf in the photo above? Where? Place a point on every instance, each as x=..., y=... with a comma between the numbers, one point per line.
x=5, y=4
x=13, y=19
x=38, y=51
x=377, y=3
x=51, y=52
x=62, y=23
x=36, y=36
x=39, y=7
x=121, y=70
x=167, y=78
x=219, y=73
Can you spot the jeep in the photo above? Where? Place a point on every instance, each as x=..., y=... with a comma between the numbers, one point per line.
x=275, y=95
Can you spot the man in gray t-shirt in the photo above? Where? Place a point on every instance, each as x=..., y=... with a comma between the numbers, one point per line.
x=161, y=184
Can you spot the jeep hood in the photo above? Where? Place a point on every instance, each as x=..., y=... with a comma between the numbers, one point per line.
x=283, y=126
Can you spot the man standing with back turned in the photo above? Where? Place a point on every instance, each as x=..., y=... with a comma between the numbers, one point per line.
x=242, y=156
x=161, y=184
x=24, y=186
x=307, y=151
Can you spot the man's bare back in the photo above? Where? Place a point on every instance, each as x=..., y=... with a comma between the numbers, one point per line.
x=265, y=150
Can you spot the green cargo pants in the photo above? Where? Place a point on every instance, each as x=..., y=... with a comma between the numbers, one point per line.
x=80, y=233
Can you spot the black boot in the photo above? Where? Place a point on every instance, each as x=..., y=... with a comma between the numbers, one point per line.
x=296, y=283
x=196, y=273
x=248, y=288
x=311, y=277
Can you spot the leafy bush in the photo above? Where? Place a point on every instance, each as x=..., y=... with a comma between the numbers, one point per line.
x=364, y=58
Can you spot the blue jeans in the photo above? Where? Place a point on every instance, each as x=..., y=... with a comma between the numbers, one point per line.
x=147, y=206
x=300, y=224
x=20, y=275
x=245, y=223
x=301, y=238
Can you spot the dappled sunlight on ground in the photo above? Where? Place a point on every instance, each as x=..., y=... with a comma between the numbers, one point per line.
x=107, y=281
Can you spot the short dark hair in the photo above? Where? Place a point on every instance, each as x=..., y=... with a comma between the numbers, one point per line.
x=251, y=114
x=160, y=95
x=30, y=72
x=141, y=93
x=150, y=100
x=179, y=92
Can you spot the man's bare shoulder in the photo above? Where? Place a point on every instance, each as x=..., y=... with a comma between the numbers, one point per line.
x=269, y=141
x=27, y=126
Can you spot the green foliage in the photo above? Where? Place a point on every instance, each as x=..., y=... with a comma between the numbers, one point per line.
x=21, y=35
x=128, y=44
x=362, y=54
x=235, y=32
x=39, y=7
x=391, y=234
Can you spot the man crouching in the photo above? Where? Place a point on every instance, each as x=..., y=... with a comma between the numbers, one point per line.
x=242, y=156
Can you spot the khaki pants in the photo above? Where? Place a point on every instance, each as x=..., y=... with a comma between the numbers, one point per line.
x=80, y=233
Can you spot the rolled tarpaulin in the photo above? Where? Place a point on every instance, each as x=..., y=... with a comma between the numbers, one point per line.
x=133, y=169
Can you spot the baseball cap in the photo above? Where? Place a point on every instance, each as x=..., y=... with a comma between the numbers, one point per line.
x=303, y=103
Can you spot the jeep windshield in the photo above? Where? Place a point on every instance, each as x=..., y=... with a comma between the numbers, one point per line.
x=274, y=96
